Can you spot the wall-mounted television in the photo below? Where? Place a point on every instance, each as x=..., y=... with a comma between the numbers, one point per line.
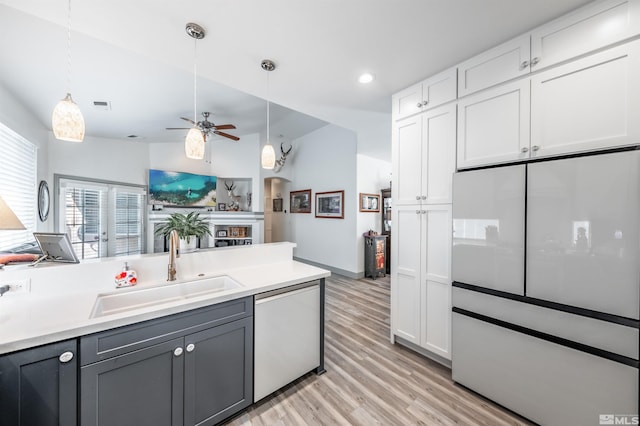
x=181, y=189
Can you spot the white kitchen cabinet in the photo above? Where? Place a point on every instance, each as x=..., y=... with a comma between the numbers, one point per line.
x=493, y=125
x=595, y=26
x=587, y=104
x=421, y=278
x=504, y=62
x=430, y=93
x=584, y=30
x=424, y=157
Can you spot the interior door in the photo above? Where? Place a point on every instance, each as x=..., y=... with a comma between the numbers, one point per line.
x=583, y=235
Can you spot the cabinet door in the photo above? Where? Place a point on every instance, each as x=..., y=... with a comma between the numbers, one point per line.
x=218, y=372
x=137, y=389
x=38, y=387
x=587, y=104
x=493, y=126
x=488, y=228
x=407, y=161
x=407, y=102
x=585, y=30
x=406, y=264
x=502, y=63
x=438, y=154
x=436, y=293
x=439, y=89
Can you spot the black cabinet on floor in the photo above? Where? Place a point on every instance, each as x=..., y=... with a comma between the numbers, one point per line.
x=39, y=386
x=193, y=368
x=375, y=255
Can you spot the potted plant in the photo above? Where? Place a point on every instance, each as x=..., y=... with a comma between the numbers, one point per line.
x=187, y=226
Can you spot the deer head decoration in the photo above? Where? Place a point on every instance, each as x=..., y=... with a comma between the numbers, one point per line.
x=280, y=162
x=230, y=188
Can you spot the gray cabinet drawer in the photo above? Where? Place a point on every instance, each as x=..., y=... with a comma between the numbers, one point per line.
x=107, y=344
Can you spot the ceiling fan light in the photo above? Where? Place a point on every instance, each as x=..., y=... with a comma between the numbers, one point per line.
x=67, y=121
x=268, y=157
x=194, y=144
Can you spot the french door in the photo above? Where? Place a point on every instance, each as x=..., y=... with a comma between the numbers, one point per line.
x=103, y=219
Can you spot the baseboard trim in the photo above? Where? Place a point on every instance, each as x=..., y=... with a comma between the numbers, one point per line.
x=343, y=272
x=423, y=352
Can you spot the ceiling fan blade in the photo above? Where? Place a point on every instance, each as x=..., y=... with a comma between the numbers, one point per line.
x=177, y=128
x=226, y=135
x=189, y=120
x=224, y=126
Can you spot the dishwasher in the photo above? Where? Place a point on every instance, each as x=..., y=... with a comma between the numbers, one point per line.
x=287, y=336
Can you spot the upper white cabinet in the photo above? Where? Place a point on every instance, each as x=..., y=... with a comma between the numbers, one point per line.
x=430, y=93
x=585, y=30
x=587, y=104
x=423, y=150
x=493, y=125
x=502, y=63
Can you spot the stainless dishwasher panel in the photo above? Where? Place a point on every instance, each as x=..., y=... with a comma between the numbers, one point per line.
x=287, y=337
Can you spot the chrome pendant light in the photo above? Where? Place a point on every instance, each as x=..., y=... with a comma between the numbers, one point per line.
x=67, y=121
x=268, y=157
x=194, y=142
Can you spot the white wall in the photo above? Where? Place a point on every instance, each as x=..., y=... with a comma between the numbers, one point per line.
x=325, y=161
x=373, y=175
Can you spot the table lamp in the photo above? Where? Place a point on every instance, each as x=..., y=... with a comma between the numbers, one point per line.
x=8, y=219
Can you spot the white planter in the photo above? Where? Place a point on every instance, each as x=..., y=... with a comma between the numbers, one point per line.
x=188, y=247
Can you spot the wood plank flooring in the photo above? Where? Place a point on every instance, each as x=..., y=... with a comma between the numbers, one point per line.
x=369, y=381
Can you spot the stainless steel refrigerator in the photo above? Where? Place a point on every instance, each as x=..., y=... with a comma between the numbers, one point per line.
x=546, y=292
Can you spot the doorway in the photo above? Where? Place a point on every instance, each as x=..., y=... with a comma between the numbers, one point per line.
x=275, y=206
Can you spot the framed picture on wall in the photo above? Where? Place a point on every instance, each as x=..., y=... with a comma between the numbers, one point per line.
x=330, y=204
x=369, y=203
x=277, y=204
x=300, y=201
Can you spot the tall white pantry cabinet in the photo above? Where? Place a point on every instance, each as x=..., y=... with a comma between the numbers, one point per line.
x=569, y=86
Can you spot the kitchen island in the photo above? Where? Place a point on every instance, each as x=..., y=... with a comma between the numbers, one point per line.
x=169, y=345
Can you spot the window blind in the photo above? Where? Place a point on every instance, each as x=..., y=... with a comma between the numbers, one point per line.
x=18, y=185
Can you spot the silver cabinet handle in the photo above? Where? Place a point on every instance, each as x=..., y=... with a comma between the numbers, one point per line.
x=66, y=357
x=425, y=103
x=535, y=148
x=524, y=149
x=423, y=212
x=190, y=347
x=424, y=197
x=524, y=64
x=177, y=352
x=417, y=211
x=417, y=197
x=419, y=104
x=535, y=61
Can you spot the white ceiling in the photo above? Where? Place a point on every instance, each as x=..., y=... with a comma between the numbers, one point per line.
x=136, y=54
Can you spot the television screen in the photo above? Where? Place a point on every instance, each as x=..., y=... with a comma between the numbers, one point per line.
x=181, y=189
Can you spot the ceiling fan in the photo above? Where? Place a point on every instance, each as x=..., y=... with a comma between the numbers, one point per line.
x=207, y=127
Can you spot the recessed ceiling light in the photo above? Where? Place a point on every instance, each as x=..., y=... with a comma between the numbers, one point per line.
x=366, y=78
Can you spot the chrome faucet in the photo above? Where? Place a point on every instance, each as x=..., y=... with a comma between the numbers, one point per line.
x=173, y=255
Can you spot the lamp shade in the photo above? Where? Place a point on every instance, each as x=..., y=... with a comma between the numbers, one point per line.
x=268, y=158
x=8, y=219
x=194, y=144
x=67, y=121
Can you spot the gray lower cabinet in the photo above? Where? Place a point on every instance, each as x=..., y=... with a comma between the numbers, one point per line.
x=39, y=386
x=194, y=368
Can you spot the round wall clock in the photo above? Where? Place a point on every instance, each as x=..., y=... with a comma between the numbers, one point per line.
x=43, y=200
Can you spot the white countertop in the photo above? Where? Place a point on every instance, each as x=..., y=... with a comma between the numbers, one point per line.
x=56, y=310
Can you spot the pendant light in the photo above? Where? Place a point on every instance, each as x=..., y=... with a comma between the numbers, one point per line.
x=268, y=157
x=194, y=142
x=67, y=121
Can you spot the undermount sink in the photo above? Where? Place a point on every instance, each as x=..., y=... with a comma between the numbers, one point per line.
x=113, y=303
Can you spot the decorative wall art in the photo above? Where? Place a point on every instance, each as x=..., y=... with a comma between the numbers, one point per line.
x=330, y=204
x=300, y=201
x=369, y=203
x=181, y=189
x=277, y=204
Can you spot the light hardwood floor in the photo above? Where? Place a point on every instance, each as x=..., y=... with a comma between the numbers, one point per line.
x=369, y=381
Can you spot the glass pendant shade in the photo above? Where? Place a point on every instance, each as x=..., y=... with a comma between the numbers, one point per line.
x=268, y=157
x=194, y=144
x=67, y=121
